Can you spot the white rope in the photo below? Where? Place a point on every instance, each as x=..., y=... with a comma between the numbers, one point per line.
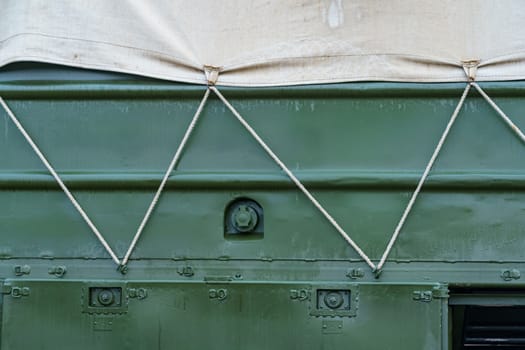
x=507, y=120
x=294, y=179
x=422, y=180
x=59, y=181
x=172, y=165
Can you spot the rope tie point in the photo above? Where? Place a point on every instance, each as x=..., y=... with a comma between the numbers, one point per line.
x=123, y=269
x=515, y=129
x=212, y=74
x=470, y=67
x=377, y=272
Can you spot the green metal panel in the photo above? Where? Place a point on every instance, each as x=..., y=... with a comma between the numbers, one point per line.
x=1, y=310
x=253, y=315
x=360, y=148
x=367, y=155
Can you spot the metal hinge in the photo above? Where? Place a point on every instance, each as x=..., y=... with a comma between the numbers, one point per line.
x=426, y=296
x=422, y=295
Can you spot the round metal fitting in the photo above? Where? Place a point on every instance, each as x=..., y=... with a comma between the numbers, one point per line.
x=222, y=294
x=333, y=300
x=244, y=218
x=105, y=297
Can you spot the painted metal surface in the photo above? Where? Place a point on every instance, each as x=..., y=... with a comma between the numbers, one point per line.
x=252, y=315
x=359, y=148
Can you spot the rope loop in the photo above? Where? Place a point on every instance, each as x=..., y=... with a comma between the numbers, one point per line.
x=470, y=67
x=212, y=74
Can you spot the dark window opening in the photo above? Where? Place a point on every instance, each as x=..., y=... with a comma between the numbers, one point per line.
x=487, y=319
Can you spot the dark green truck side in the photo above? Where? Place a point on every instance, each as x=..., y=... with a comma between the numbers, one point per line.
x=195, y=281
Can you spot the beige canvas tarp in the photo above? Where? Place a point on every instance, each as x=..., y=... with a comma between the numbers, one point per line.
x=271, y=42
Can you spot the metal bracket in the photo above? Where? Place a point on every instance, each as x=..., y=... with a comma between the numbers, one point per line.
x=426, y=296
x=219, y=294
x=15, y=291
x=355, y=273
x=300, y=294
x=440, y=292
x=138, y=293
x=21, y=270
x=58, y=271
x=511, y=274
x=186, y=271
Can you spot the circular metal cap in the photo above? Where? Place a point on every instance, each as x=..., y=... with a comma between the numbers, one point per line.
x=244, y=218
x=105, y=297
x=333, y=300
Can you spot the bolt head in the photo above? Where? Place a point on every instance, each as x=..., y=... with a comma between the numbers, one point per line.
x=333, y=300
x=105, y=297
x=245, y=218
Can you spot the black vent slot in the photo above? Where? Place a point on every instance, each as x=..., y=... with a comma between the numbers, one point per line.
x=494, y=327
x=488, y=319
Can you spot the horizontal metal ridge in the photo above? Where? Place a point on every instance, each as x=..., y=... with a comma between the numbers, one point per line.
x=264, y=180
x=150, y=89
